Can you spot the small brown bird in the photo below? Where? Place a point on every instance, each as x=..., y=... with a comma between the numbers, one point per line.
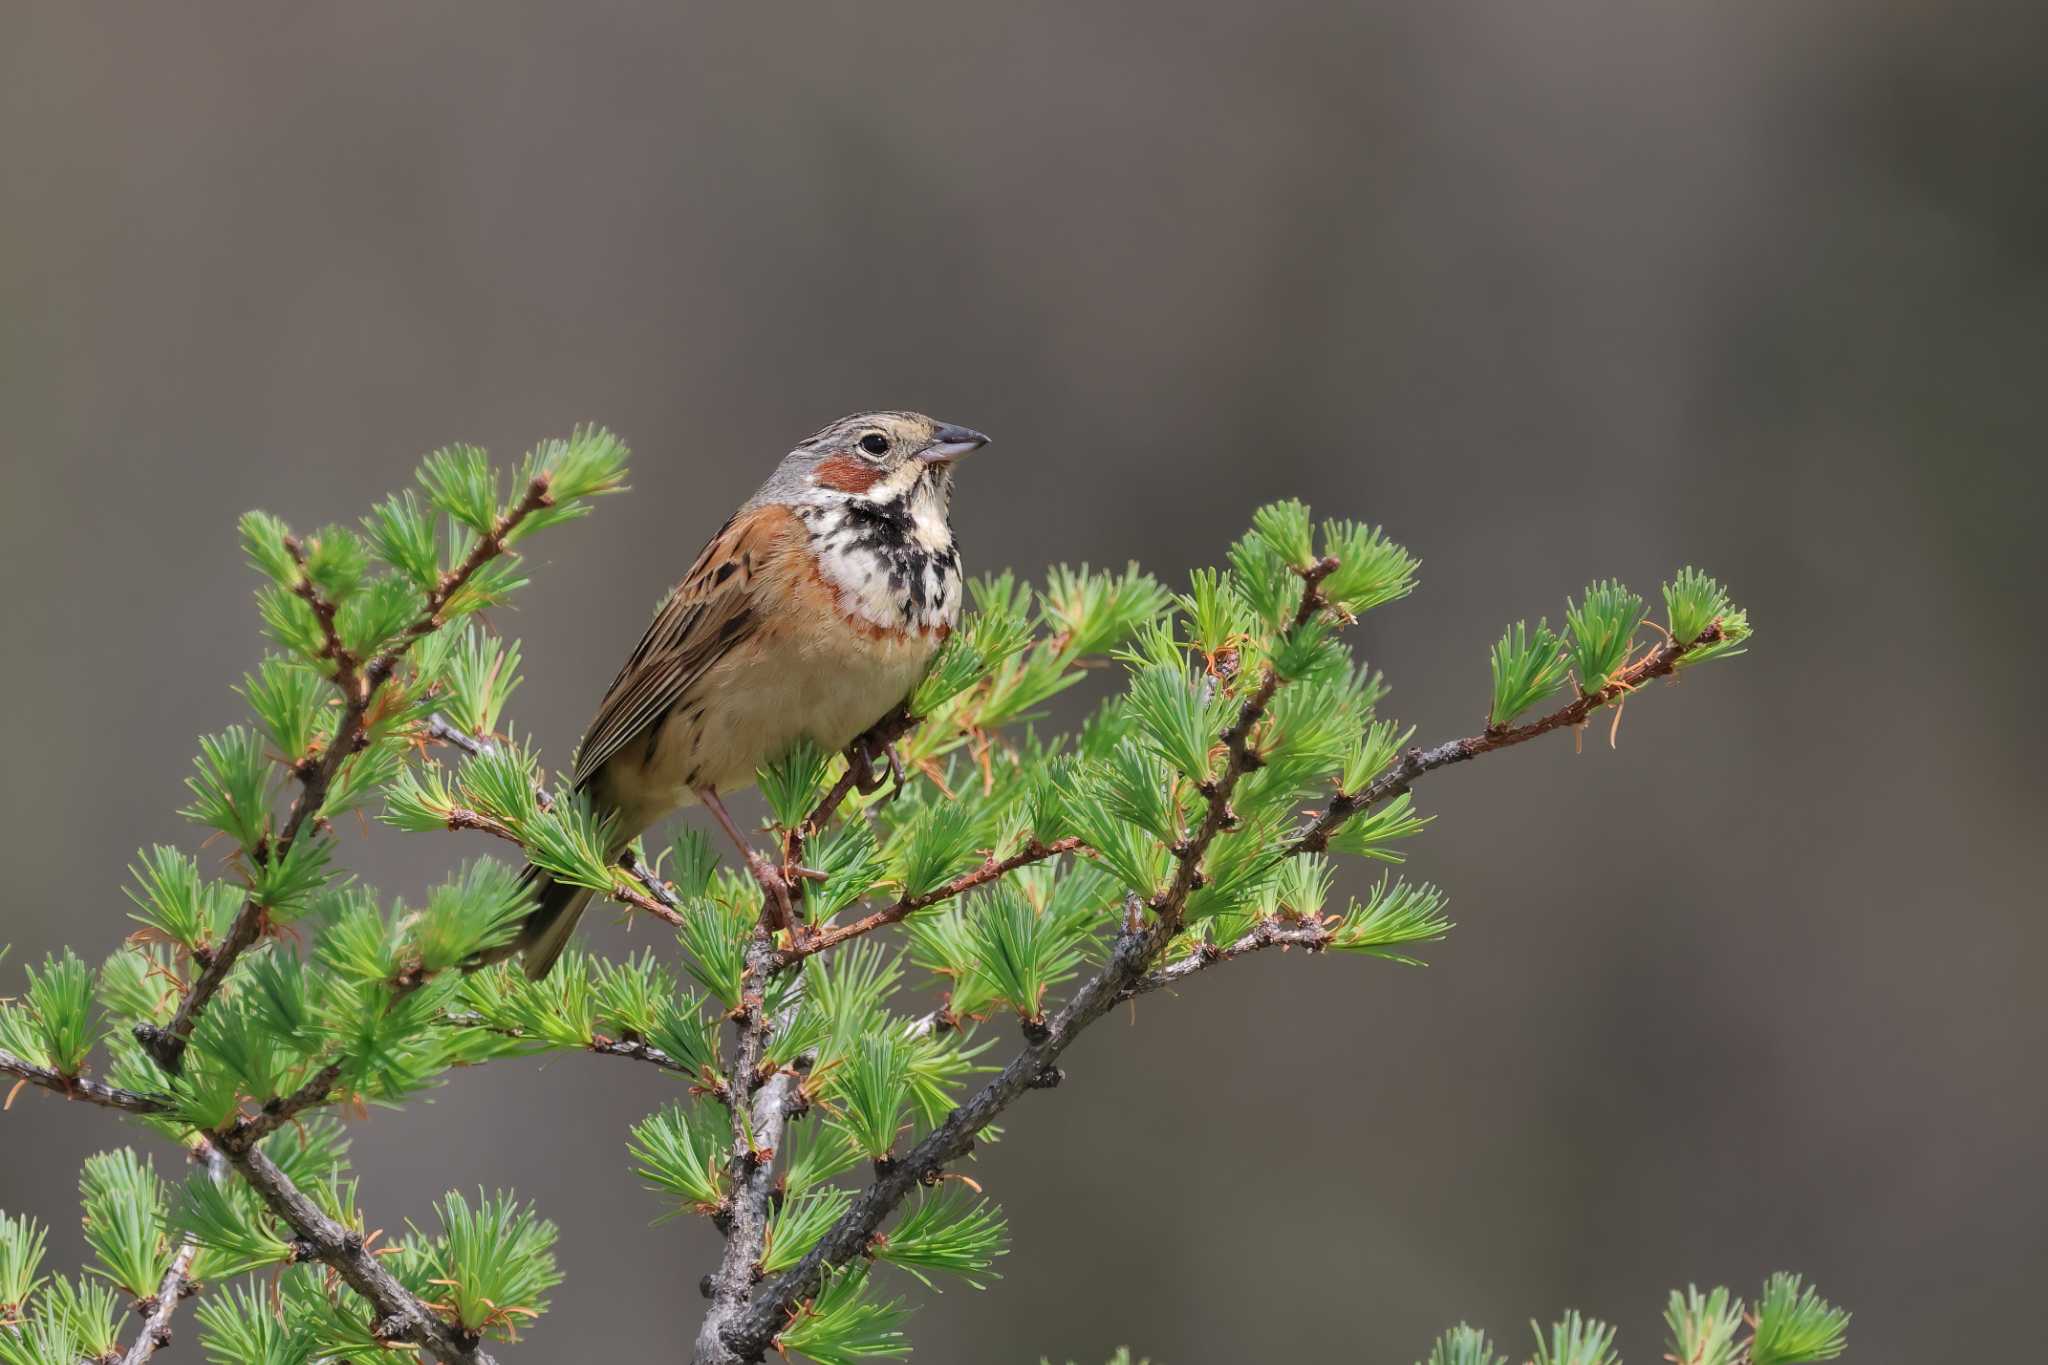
x=812, y=613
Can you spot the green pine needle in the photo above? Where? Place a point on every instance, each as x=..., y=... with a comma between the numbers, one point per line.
x=495, y=1263
x=844, y=1324
x=289, y=701
x=1394, y=915
x=1019, y=952
x=1603, y=632
x=241, y=1326
x=229, y=1224
x=1794, y=1324
x=1704, y=1327
x=1371, y=569
x=124, y=1221
x=949, y=1230
x=792, y=782
x=1692, y=601
x=799, y=1223
x=231, y=789
x=1372, y=834
x=57, y=1010
x=681, y=1152
x=1575, y=1340
x=460, y=481
x=22, y=1240
x=402, y=534
x=1464, y=1345
x=1526, y=669
x=871, y=1089
x=173, y=902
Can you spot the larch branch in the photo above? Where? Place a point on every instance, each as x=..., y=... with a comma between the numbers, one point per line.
x=81, y=1087
x=359, y=689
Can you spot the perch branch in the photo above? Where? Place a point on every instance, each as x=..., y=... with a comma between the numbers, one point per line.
x=991, y=870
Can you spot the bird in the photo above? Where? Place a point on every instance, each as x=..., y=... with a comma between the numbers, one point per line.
x=811, y=614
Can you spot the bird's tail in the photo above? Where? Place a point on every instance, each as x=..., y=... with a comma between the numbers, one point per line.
x=549, y=925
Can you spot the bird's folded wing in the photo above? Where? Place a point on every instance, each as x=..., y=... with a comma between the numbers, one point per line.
x=710, y=612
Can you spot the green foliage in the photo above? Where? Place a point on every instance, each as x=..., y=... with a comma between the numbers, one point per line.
x=53, y=1024
x=1019, y=951
x=935, y=847
x=1789, y=1324
x=124, y=1221
x=986, y=640
x=22, y=1241
x=1692, y=601
x=1231, y=713
x=1373, y=834
x=797, y=1225
x=231, y=785
x=1575, y=1340
x=227, y=1220
x=947, y=1230
x=240, y=1326
x=289, y=701
x=681, y=1152
x=872, y=1089
x=175, y=904
x=1704, y=1327
x=494, y=1262
x=793, y=782
x=1464, y=1345
x=481, y=676
x=1394, y=915
x=1793, y=1323
x=1603, y=629
x=1526, y=669
x=846, y=1323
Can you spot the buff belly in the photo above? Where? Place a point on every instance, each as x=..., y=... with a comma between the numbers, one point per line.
x=827, y=684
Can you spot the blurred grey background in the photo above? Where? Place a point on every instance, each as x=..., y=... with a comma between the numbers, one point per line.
x=1553, y=290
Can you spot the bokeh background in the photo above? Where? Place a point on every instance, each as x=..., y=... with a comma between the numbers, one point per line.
x=1553, y=290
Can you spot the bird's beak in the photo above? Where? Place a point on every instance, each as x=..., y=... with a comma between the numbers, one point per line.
x=949, y=443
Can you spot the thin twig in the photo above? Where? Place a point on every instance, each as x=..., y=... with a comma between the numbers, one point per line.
x=1271, y=932
x=245, y=1133
x=177, y=1284
x=359, y=689
x=629, y=1048
x=1402, y=773
x=157, y=1309
x=992, y=869
x=457, y=817
x=82, y=1087
x=401, y=1315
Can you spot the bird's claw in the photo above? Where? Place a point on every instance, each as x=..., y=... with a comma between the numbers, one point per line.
x=861, y=757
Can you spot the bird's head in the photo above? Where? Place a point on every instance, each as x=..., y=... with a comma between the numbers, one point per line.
x=879, y=457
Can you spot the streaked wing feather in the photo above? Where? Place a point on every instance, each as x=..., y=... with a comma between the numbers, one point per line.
x=710, y=612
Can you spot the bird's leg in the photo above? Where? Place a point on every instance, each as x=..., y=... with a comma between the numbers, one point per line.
x=860, y=758
x=773, y=884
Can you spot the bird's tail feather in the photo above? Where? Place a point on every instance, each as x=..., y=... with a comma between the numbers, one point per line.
x=548, y=927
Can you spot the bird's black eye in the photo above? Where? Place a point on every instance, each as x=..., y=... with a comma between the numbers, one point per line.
x=874, y=443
